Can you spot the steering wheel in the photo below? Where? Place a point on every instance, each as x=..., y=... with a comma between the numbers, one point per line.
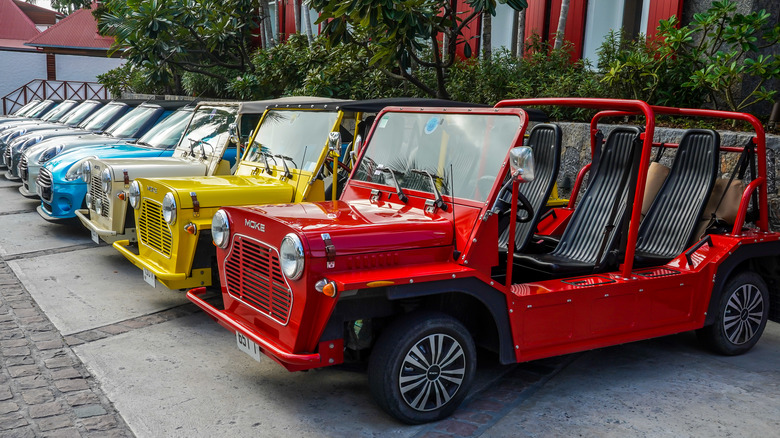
x=342, y=166
x=524, y=206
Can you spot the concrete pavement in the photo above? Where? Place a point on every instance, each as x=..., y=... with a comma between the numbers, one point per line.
x=88, y=349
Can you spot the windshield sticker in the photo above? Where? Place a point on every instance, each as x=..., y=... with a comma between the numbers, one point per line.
x=432, y=124
x=382, y=122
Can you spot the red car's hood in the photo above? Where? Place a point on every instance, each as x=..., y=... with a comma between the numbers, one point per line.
x=358, y=227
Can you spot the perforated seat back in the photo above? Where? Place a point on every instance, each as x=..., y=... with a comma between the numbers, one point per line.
x=545, y=140
x=672, y=219
x=583, y=238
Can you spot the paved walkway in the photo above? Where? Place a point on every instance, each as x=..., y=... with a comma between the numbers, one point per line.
x=44, y=388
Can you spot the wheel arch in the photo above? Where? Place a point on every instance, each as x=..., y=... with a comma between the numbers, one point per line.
x=761, y=258
x=458, y=299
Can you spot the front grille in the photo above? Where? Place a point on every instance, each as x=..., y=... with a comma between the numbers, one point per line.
x=96, y=192
x=254, y=276
x=152, y=228
x=23, y=167
x=7, y=156
x=44, y=184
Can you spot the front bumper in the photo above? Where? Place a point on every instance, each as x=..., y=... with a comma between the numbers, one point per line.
x=330, y=352
x=29, y=188
x=171, y=280
x=60, y=201
x=108, y=236
x=10, y=176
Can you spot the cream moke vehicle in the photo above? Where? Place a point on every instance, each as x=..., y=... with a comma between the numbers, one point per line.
x=292, y=157
x=209, y=146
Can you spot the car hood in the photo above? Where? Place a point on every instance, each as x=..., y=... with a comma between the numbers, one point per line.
x=357, y=227
x=71, y=143
x=62, y=162
x=152, y=167
x=216, y=191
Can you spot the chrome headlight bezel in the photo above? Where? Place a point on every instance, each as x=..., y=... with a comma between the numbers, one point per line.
x=291, y=257
x=105, y=181
x=220, y=229
x=86, y=171
x=169, y=208
x=134, y=195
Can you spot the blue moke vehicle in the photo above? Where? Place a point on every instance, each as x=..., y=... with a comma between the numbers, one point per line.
x=61, y=176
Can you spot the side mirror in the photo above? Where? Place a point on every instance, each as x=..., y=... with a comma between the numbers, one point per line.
x=521, y=160
x=233, y=133
x=334, y=143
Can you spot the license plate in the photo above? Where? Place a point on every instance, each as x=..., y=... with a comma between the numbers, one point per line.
x=150, y=278
x=96, y=239
x=247, y=346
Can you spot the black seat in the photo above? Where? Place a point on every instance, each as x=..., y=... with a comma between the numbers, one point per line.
x=668, y=227
x=596, y=224
x=545, y=140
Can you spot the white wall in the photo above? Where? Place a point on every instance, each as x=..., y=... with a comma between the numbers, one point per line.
x=19, y=68
x=83, y=68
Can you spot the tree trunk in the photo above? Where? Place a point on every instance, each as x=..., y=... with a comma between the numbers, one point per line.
x=520, y=34
x=297, y=14
x=306, y=22
x=561, y=24
x=487, y=36
x=268, y=33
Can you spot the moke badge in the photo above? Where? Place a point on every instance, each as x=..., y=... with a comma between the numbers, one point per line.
x=151, y=189
x=254, y=225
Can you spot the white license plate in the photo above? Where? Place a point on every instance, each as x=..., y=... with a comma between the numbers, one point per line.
x=95, y=237
x=247, y=346
x=150, y=278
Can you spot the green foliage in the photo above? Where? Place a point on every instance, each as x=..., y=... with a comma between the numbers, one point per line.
x=128, y=78
x=710, y=58
x=169, y=36
x=398, y=33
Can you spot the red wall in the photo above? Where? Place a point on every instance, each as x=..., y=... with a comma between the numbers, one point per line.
x=662, y=10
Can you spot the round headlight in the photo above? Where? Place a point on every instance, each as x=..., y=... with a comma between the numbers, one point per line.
x=88, y=200
x=105, y=181
x=32, y=141
x=169, y=208
x=99, y=206
x=134, y=195
x=291, y=256
x=86, y=172
x=220, y=229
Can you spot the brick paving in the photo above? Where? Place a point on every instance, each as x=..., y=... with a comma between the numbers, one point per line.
x=45, y=390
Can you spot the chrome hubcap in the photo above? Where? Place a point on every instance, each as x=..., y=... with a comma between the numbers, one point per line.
x=432, y=372
x=743, y=315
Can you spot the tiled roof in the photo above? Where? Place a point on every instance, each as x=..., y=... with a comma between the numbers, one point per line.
x=38, y=14
x=15, y=24
x=76, y=31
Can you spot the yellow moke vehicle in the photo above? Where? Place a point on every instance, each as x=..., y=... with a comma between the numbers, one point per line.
x=206, y=147
x=291, y=157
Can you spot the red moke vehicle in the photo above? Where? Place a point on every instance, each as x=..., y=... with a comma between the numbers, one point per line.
x=413, y=267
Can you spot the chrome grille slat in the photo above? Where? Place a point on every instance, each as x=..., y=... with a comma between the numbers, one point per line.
x=44, y=182
x=23, y=168
x=152, y=229
x=253, y=275
x=7, y=156
x=96, y=192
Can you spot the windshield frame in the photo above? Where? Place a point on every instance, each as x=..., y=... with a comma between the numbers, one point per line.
x=301, y=170
x=182, y=150
x=458, y=197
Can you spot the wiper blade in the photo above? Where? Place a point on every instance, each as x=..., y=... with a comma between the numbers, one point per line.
x=439, y=202
x=285, y=159
x=398, y=191
x=265, y=156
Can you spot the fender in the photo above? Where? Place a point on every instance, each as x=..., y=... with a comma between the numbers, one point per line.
x=742, y=254
x=494, y=301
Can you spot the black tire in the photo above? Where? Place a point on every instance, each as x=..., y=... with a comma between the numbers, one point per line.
x=743, y=310
x=438, y=385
